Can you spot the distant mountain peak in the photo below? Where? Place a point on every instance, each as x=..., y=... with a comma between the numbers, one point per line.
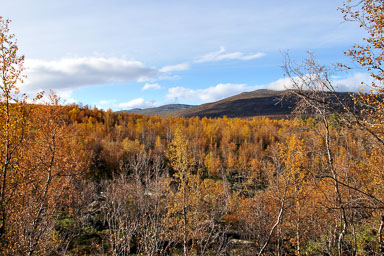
x=161, y=111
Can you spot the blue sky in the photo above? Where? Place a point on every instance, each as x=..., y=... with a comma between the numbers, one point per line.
x=123, y=54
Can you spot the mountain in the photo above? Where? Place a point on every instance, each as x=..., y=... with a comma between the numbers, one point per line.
x=261, y=102
x=247, y=104
x=165, y=110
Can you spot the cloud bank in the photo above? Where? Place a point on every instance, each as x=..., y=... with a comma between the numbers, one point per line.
x=209, y=94
x=72, y=73
x=350, y=83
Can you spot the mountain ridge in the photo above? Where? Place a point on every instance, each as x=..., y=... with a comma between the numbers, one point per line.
x=161, y=110
x=262, y=102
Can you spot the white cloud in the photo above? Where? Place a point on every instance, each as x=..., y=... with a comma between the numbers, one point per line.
x=209, y=94
x=138, y=103
x=178, y=67
x=182, y=93
x=222, y=55
x=280, y=84
x=72, y=73
x=148, y=86
x=351, y=83
x=65, y=97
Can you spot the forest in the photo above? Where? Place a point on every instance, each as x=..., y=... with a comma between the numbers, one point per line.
x=76, y=180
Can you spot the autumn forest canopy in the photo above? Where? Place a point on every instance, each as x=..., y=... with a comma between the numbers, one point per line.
x=76, y=180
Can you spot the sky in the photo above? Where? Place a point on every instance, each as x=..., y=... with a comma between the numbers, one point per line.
x=124, y=54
